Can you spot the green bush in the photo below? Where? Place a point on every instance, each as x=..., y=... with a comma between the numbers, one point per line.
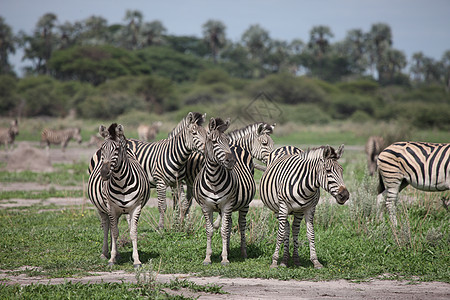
x=345, y=105
x=359, y=87
x=8, y=93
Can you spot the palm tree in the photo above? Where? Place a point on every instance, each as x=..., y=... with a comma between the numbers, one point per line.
x=214, y=34
x=319, y=39
x=134, y=18
x=257, y=41
x=379, y=41
x=6, y=46
x=152, y=32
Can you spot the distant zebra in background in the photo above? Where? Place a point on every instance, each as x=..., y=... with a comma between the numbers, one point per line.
x=291, y=185
x=118, y=185
x=60, y=137
x=147, y=133
x=373, y=148
x=426, y=166
x=8, y=135
x=255, y=138
x=165, y=160
x=224, y=184
x=95, y=141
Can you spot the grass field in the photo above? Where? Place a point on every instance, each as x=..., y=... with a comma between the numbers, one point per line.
x=352, y=241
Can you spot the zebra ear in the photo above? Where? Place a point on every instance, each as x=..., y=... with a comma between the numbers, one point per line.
x=261, y=129
x=327, y=152
x=119, y=131
x=212, y=124
x=103, y=131
x=340, y=151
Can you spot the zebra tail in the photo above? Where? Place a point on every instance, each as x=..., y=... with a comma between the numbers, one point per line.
x=381, y=187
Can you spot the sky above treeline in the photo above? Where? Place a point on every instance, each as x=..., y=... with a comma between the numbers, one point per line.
x=417, y=25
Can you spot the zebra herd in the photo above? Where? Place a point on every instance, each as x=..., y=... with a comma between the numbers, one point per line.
x=217, y=169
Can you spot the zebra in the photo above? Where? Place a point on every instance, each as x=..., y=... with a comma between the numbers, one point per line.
x=118, y=185
x=255, y=138
x=224, y=184
x=282, y=151
x=425, y=166
x=147, y=133
x=164, y=160
x=373, y=148
x=8, y=135
x=50, y=136
x=291, y=185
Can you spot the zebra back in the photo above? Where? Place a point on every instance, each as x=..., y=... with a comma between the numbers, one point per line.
x=373, y=147
x=282, y=151
x=62, y=137
x=426, y=166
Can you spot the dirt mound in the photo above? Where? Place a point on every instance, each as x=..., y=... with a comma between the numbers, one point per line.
x=26, y=157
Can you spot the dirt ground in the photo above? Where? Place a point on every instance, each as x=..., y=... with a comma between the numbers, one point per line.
x=27, y=156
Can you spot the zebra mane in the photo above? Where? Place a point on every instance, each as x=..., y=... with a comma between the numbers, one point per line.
x=112, y=131
x=221, y=125
x=197, y=117
x=240, y=132
x=315, y=151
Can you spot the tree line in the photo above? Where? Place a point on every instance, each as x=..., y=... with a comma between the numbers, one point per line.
x=103, y=69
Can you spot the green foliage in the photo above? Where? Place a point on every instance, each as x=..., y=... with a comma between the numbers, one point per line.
x=345, y=105
x=358, y=87
x=8, y=93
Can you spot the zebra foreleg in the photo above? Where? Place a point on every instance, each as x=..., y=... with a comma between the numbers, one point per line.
x=134, y=219
x=209, y=232
x=225, y=232
x=105, y=226
x=295, y=230
x=161, y=192
x=309, y=218
x=113, y=220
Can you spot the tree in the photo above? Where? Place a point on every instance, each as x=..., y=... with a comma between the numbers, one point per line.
x=152, y=33
x=95, y=31
x=39, y=47
x=7, y=46
x=354, y=48
x=379, y=41
x=445, y=61
x=130, y=35
x=257, y=41
x=214, y=34
x=319, y=40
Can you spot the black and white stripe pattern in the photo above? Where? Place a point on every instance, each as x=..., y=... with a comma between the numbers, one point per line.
x=373, y=148
x=164, y=160
x=255, y=138
x=224, y=184
x=8, y=135
x=60, y=137
x=291, y=185
x=425, y=166
x=118, y=185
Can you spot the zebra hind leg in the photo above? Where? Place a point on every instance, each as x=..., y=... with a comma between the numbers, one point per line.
x=225, y=232
x=161, y=192
x=242, y=226
x=287, y=235
x=309, y=218
x=113, y=219
x=295, y=231
x=133, y=220
x=209, y=232
x=282, y=220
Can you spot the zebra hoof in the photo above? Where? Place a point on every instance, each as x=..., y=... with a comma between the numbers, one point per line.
x=103, y=257
x=274, y=266
x=317, y=264
x=225, y=263
x=206, y=263
x=111, y=264
x=137, y=266
x=283, y=265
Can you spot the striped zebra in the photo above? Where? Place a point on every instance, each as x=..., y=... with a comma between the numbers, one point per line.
x=60, y=137
x=282, y=151
x=373, y=148
x=425, y=166
x=225, y=184
x=118, y=185
x=254, y=138
x=291, y=185
x=165, y=160
x=8, y=135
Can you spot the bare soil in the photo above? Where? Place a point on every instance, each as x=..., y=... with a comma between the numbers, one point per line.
x=28, y=156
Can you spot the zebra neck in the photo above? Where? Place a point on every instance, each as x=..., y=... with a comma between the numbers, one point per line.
x=178, y=147
x=244, y=142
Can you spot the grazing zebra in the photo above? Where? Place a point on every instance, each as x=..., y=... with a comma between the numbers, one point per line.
x=224, y=184
x=291, y=185
x=8, y=135
x=164, y=160
x=254, y=138
x=118, y=185
x=425, y=166
x=57, y=137
x=373, y=148
x=147, y=133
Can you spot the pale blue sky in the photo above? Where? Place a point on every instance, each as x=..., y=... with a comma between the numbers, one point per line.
x=417, y=25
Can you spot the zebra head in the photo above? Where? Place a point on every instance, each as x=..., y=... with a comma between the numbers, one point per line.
x=330, y=174
x=217, y=147
x=14, y=128
x=263, y=143
x=195, y=134
x=113, y=149
x=77, y=135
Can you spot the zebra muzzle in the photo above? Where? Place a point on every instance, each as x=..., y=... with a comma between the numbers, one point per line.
x=105, y=171
x=229, y=161
x=342, y=195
